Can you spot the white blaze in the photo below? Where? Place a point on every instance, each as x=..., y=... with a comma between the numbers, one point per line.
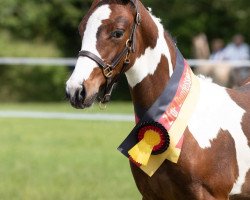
x=84, y=66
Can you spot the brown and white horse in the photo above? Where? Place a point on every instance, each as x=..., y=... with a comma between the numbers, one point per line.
x=215, y=157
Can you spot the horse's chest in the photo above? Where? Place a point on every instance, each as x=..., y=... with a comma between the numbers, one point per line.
x=214, y=156
x=167, y=183
x=196, y=174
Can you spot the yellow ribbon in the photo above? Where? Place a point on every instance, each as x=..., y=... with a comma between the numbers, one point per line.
x=142, y=150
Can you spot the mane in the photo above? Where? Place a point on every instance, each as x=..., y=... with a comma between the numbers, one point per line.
x=173, y=38
x=205, y=78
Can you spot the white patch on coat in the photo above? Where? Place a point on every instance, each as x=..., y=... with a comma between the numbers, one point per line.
x=84, y=65
x=148, y=63
x=216, y=110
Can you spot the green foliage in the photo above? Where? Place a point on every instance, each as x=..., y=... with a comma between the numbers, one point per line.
x=57, y=20
x=54, y=20
x=29, y=83
x=16, y=47
x=216, y=18
x=49, y=28
x=32, y=83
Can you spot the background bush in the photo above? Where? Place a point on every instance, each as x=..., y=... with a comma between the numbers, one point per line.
x=32, y=83
x=48, y=28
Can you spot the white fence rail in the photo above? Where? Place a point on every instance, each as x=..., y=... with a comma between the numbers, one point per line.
x=72, y=61
x=233, y=63
x=38, y=61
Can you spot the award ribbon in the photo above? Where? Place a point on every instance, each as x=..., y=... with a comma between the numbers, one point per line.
x=158, y=134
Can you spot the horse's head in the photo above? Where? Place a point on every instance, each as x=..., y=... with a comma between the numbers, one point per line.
x=108, y=39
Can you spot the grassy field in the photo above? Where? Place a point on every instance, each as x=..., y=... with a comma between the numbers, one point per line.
x=64, y=159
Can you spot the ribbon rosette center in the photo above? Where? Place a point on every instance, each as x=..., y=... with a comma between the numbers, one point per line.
x=141, y=152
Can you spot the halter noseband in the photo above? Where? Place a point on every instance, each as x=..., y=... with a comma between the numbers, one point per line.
x=107, y=69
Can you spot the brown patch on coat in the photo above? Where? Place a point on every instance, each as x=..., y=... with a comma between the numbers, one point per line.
x=122, y=17
x=246, y=185
x=241, y=96
x=93, y=83
x=158, y=79
x=246, y=126
x=199, y=173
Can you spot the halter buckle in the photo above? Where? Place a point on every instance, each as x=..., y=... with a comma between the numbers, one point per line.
x=127, y=60
x=138, y=19
x=129, y=44
x=108, y=71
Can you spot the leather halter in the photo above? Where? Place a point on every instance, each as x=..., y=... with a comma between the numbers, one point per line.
x=107, y=68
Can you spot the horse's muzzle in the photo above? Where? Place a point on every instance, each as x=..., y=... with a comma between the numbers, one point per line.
x=77, y=98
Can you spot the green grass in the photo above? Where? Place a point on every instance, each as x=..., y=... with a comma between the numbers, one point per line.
x=63, y=159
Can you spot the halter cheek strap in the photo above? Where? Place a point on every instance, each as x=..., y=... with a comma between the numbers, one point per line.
x=107, y=69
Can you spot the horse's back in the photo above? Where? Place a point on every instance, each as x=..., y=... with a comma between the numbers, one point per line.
x=241, y=96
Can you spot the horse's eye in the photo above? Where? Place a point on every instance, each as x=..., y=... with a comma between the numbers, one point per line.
x=117, y=33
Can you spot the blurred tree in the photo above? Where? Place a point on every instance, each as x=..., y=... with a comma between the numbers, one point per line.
x=56, y=22
x=215, y=18
x=32, y=83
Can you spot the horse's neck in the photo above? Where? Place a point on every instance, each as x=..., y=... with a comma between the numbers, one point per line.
x=154, y=64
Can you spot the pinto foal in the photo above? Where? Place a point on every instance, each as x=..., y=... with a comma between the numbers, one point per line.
x=215, y=157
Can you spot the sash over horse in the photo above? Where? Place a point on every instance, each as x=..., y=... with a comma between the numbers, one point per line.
x=158, y=134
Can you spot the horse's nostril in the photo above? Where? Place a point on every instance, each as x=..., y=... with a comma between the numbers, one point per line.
x=82, y=93
x=76, y=96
